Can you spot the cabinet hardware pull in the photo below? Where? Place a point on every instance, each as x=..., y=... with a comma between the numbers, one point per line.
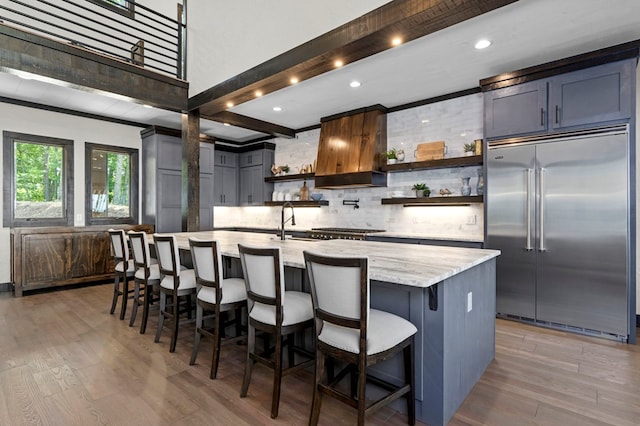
x=528, y=207
x=557, y=114
x=541, y=116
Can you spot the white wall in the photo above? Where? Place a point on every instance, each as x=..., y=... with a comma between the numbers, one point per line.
x=228, y=37
x=80, y=130
x=448, y=121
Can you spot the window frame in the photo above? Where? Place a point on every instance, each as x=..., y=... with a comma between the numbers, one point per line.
x=128, y=10
x=133, y=184
x=9, y=193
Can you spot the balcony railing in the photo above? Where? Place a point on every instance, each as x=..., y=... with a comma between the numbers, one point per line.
x=125, y=30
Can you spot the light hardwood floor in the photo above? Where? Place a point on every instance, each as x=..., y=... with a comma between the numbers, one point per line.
x=65, y=361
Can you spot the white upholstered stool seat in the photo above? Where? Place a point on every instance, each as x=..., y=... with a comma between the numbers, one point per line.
x=296, y=308
x=385, y=331
x=233, y=290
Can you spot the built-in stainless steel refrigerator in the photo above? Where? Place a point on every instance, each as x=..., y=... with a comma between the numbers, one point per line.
x=559, y=210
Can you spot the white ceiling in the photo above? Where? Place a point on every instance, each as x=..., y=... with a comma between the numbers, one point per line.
x=525, y=33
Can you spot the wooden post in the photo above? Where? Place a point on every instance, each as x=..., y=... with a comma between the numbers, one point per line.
x=191, y=171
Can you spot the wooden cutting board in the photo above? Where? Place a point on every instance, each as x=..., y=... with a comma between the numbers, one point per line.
x=430, y=151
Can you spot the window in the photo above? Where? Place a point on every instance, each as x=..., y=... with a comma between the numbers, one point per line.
x=111, y=194
x=38, y=179
x=121, y=6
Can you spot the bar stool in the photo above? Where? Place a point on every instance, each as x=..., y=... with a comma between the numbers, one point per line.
x=146, y=277
x=274, y=311
x=123, y=269
x=176, y=283
x=214, y=294
x=349, y=331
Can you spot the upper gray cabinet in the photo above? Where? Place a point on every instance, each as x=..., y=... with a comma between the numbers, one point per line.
x=225, y=179
x=593, y=96
x=254, y=167
x=516, y=110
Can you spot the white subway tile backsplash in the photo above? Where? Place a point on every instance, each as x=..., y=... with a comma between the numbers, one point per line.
x=456, y=121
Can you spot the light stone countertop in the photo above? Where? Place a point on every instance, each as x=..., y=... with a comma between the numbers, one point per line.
x=406, y=264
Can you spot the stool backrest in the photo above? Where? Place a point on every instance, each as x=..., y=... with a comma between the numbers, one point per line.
x=168, y=254
x=207, y=263
x=118, y=245
x=339, y=288
x=264, y=276
x=140, y=249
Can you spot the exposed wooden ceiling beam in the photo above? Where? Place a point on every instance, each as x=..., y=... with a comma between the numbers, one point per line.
x=251, y=123
x=355, y=40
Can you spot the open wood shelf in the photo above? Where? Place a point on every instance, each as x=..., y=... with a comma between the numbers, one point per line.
x=298, y=176
x=309, y=203
x=473, y=160
x=434, y=201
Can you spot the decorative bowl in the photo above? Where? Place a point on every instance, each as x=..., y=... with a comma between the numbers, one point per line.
x=316, y=196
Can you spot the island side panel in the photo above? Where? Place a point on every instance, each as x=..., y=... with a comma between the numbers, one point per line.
x=469, y=336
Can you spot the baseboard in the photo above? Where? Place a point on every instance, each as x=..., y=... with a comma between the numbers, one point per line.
x=5, y=287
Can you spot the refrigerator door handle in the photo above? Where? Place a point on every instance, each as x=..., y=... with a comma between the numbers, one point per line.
x=528, y=172
x=541, y=246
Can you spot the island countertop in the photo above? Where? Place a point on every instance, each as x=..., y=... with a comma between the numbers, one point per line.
x=406, y=264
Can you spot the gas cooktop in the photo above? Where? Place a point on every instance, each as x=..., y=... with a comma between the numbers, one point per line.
x=341, y=233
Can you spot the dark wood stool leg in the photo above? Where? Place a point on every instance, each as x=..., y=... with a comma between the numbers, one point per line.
x=217, y=336
x=248, y=367
x=176, y=321
x=277, y=377
x=196, y=342
x=136, y=302
x=409, y=377
x=317, y=392
x=125, y=295
x=148, y=294
x=116, y=292
x=163, y=306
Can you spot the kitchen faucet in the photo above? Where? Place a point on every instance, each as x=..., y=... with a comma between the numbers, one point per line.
x=282, y=221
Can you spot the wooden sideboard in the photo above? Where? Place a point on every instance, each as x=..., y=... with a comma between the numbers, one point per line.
x=58, y=255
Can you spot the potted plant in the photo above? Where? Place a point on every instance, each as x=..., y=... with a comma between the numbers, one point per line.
x=284, y=169
x=422, y=190
x=392, y=156
x=469, y=149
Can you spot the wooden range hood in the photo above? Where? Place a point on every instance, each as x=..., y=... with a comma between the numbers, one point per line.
x=351, y=147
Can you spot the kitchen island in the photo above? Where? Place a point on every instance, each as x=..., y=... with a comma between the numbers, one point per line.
x=448, y=293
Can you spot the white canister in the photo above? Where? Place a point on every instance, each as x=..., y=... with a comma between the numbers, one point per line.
x=280, y=196
x=287, y=196
x=275, y=195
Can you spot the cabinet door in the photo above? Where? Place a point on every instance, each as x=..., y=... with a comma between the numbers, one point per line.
x=594, y=95
x=46, y=258
x=169, y=203
x=225, y=182
x=206, y=202
x=91, y=254
x=251, y=180
x=251, y=158
x=516, y=110
x=169, y=152
x=206, y=157
x=228, y=159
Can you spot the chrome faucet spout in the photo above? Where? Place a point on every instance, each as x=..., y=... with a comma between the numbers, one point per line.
x=283, y=221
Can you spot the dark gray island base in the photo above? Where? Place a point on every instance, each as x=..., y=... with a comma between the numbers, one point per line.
x=448, y=293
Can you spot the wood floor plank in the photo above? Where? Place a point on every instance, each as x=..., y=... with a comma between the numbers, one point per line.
x=66, y=361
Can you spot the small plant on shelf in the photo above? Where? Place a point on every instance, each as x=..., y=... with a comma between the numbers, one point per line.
x=469, y=149
x=392, y=154
x=421, y=189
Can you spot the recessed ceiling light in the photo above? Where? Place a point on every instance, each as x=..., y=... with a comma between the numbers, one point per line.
x=229, y=104
x=354, y=83
x=147, y=106
x=277, y=109
x=338, y=63
x=482, y=44
x=396, y=41
x=425, y=121
x=258, y=93
x=226, y=124
x=294, y=80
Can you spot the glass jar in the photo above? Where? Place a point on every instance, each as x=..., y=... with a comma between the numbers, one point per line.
x=465, y=190
x=480, y=184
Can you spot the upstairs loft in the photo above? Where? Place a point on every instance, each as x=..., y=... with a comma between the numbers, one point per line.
x=97, y=49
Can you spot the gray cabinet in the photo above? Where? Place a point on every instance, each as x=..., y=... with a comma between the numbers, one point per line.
x=516, y=110
x=599, y=95
x=595, y=95
x=225, y=188
x=254, y=166
x=162, y=180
